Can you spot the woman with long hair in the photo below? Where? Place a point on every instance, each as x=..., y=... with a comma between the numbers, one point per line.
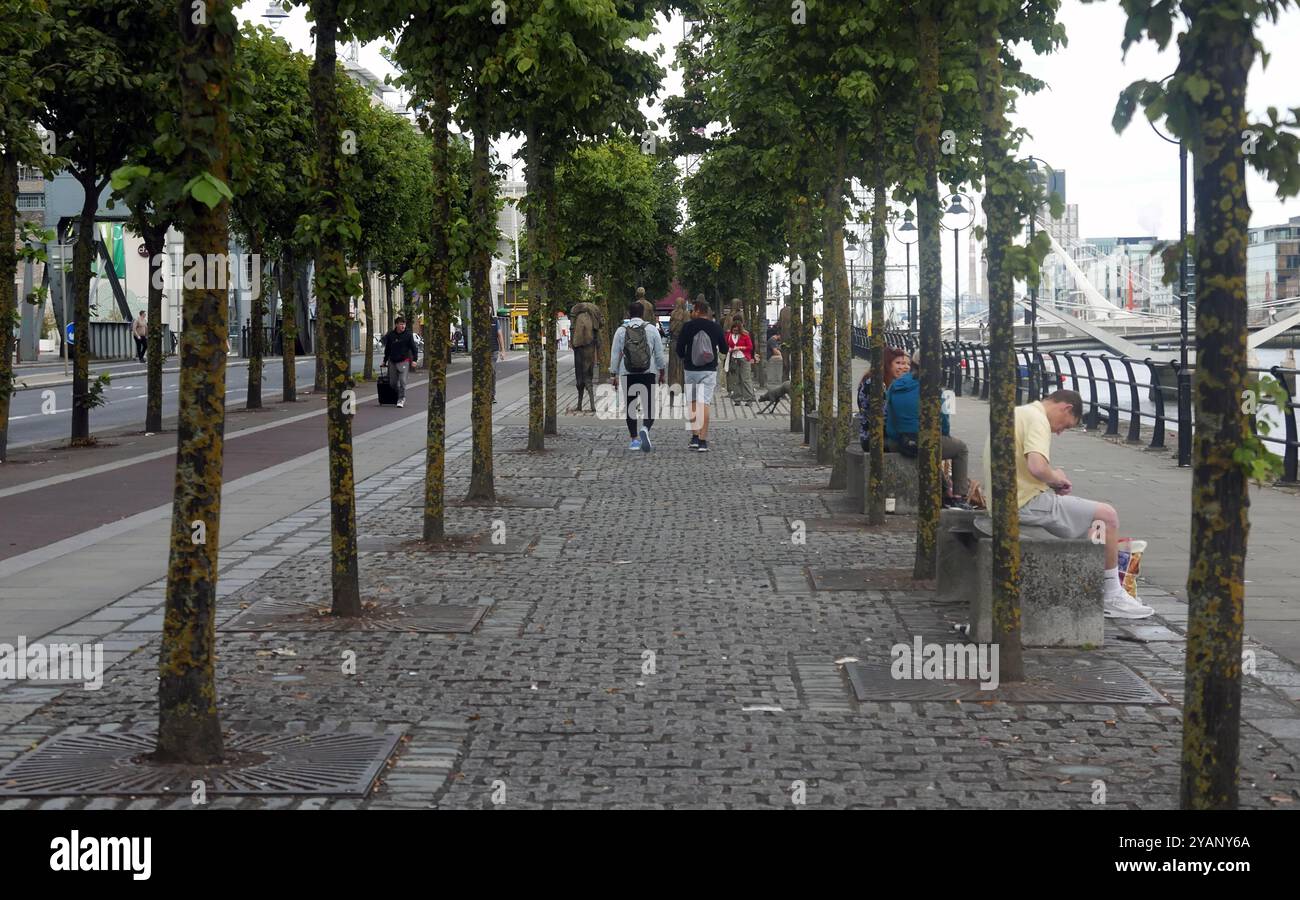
x=740, y=350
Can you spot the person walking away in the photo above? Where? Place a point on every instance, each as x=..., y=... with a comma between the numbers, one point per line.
x=676, y=374
x=400, y=353
x=637, y=356
x=700, y=344
x=140, y=331
x=740, y=375
x=903, y=421
x=1045, y=495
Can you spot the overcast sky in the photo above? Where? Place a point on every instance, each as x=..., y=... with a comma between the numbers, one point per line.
x=1124, y=184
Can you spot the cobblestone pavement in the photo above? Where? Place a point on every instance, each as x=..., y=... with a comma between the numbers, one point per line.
x=651, y=640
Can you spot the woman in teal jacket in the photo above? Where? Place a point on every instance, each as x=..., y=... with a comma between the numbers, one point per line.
x=903, y=417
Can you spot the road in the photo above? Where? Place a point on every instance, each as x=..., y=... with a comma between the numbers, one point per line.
x=37, y=513
x=30, y=423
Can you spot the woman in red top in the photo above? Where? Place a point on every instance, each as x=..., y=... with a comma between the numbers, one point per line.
x=740, y=353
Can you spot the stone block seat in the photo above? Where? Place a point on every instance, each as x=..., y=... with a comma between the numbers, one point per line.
x=900, y=481
x=856, y=472
x=1060, y=581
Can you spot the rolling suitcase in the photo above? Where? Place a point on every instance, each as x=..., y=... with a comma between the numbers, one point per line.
x=387, y=391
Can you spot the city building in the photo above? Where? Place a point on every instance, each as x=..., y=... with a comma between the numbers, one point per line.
x=1273, y=263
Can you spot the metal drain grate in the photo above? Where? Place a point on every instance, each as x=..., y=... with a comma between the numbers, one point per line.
x=280, y=614
x=1056, y=676
x=111, y=765
x=866, y=580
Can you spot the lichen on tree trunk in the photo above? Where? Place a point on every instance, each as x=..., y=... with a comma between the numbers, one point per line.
x=927, y=205
x=189, y=730
x=1000, y=210
x=876, y=400
x=335, y=367
x=1219, y=51
x=481, y=485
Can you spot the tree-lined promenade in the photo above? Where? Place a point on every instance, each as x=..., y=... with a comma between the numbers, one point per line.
x=225, y=133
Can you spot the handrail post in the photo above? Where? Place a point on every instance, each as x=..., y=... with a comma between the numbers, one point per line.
x=1158, y=432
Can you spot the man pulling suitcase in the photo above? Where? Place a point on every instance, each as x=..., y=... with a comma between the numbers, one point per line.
x=400, y=353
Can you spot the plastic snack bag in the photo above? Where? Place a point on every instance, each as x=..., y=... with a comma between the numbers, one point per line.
x=1130, y=562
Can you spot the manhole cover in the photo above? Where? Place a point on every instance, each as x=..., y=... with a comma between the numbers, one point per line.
x=1050, y=677
x=802, y=488
x=281, y=614
x=110, y=765
x=866, y=580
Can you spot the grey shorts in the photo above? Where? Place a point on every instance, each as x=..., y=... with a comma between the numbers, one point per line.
x=1065, y=517
x=699, y=385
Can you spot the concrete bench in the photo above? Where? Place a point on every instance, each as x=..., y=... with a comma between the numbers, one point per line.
x=1060, y=581
x=900, y=481
x=856, y=468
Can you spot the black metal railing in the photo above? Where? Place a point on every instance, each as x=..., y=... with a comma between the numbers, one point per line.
x=1114, y=391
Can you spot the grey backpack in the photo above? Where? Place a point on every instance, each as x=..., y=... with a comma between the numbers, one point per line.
x=636, y=349
x=702, y=348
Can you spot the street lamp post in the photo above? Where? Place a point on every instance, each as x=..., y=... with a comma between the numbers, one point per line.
x=906, y=234
x=957, y=210
x=1184, y=374
x=1035, y=382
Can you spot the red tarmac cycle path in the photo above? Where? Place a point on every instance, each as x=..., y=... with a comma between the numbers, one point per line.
x=40, y=517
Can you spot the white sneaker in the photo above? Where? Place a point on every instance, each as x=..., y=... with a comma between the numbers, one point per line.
x=1119, y=605
x=401, y=403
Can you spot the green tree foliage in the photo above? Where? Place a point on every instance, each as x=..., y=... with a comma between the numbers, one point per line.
x=1204, y=104
x=102, y=80
x=25, y=29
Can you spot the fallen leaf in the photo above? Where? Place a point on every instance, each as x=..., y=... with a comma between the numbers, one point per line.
x=1280, y=798
x=612, y=690
x=474, y=718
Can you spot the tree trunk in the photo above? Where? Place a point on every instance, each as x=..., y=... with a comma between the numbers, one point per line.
x=256, y=326
x=876, y=401
x=289, y=328
x=368, y=301
x=551, y=241
x=1220, y=53
x=1001, y=228
x=435, y=444
x=481, y=485
x=82, y=254
x=189, y=730
x=831, y=227
x=927, y=142
x=536, y=365
x=332, y=314
x=792, y=346
x=809, y=323
x=9, y=303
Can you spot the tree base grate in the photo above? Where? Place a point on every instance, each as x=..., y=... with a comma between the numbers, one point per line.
x=791, y=464
x=857, y=523
x=116, y=764
x=474, y=543
x=281, y=614
x=1146, y=634
x=506, y=502
x=867, y=580
x=1056, y=676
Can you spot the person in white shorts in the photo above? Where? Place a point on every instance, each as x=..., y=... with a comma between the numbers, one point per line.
x=700, y=374
x=1044, y=493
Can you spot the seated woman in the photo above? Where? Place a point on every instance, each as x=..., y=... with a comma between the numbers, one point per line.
x=895, y=364
x=903, y=421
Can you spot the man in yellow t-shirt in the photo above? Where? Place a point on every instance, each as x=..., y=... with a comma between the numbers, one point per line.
x=1044, y=498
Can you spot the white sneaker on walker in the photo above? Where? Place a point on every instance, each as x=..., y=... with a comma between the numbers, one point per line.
x=1117, y=604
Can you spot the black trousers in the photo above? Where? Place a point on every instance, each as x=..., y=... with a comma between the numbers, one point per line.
x=640, y=390
x=141, y=347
